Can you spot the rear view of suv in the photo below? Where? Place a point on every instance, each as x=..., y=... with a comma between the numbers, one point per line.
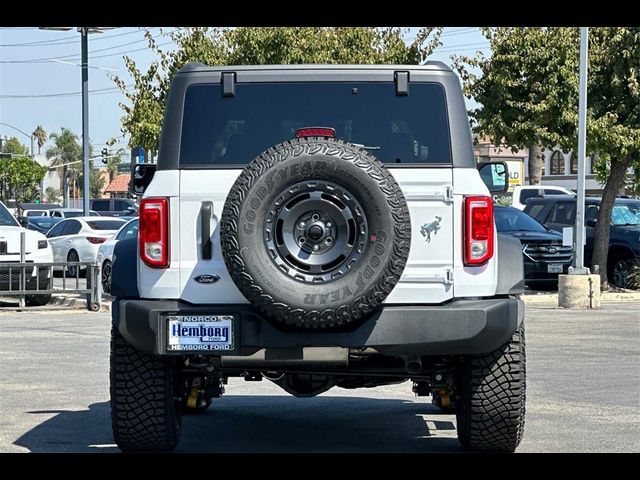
x=317, y=226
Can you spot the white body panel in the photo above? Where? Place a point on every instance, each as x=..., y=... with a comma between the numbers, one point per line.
x=11, y=235
x=516, y=200
x=470, y=281
x=434, y=274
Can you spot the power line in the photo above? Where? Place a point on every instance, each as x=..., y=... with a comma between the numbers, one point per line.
x=460, y=31
x=76, y=57
x=451, y=48
x=63, y=41
x=66, y=94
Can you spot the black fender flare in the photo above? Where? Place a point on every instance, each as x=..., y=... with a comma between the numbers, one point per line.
x=124, y=269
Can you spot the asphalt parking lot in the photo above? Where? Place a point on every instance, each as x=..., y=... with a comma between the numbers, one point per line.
x=583, y=394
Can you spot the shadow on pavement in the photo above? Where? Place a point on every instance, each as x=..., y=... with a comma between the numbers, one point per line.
x=268, y=424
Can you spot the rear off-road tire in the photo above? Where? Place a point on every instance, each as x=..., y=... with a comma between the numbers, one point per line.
x=144, y=414
x=491, y=398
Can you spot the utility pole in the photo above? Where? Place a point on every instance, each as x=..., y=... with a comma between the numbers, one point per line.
x=582, y=140
x=84, y=34
x=580, y=289
x=86, y=192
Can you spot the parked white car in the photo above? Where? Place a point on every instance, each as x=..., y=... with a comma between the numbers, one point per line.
x=78, y=239
x=70, y=212
x=105, y=252
x=522, y=193
x=37, y=250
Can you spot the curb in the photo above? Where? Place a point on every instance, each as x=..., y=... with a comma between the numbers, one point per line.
x=71, y=301
x=552, y=298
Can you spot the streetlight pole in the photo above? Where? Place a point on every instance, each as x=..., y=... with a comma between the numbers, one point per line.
x=22, y=132
x=582, y=140
x=86, y=192
x=84, y=35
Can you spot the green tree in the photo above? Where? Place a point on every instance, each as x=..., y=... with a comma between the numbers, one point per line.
x=14, y=146
x=20, y=177
x=40, y=136
x=528, y=92
x=65, y=150
x=144, y=110
x=52, y=195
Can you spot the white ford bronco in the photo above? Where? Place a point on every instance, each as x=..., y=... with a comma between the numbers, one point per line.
x=317, y=226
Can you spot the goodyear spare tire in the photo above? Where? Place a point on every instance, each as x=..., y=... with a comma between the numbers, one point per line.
x=315, y=232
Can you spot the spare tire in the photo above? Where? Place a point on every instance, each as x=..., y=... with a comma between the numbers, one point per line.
x=315, y=232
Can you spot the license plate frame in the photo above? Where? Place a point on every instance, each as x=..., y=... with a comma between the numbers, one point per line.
x=200, y=333
x=555, y=268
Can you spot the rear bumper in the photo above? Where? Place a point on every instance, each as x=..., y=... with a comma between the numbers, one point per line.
x=459, y=327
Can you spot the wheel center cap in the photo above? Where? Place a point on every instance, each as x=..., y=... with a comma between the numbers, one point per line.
x=315, y=232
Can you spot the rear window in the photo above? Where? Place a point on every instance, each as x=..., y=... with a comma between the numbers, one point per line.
x=527, y=194
x=411, y=129
x=44, y=222
x=74, y=214
x=105, y=224
x=100, y=204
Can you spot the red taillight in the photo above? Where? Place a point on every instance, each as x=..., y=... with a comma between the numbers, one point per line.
x=96, y=240
x=153, y=232
x=478, y=232
x=315, y=132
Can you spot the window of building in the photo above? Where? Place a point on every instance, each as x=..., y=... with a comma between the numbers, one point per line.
x=573, y=168
x=557, y=163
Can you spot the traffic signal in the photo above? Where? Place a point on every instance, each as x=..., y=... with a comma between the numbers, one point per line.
x=105, y=153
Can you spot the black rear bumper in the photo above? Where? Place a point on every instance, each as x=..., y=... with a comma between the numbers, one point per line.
x=459, y=327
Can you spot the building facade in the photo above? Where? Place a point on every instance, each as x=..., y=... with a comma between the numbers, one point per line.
x=559, y=168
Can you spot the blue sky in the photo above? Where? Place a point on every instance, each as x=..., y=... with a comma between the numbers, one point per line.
x=31, y=82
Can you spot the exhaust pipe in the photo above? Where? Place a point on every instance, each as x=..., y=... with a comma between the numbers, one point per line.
x=413, y=365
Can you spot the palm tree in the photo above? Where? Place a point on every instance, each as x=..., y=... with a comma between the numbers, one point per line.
x=66, y=149
x=41, y=137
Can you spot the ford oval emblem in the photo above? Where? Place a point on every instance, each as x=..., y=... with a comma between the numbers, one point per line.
x=206, y=278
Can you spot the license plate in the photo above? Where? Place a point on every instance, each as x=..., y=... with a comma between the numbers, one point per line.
x=554, y=268
x=200, y=332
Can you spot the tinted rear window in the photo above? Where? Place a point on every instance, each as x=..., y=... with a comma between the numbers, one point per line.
x=106, y=224
x=100, y=204
x=44, y=222
x=409, y=129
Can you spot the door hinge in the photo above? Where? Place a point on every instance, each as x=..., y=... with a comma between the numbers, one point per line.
x=448, y=193
x=449, y=277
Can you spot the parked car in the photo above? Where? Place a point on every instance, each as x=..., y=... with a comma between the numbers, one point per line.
x=105, y=252
x=37, y=250
x=39, y=224
x=70, y=212
x=522, y=193
x=78, y=239
x=24, y=208
x=559, y=212
x=543, y=254
x=115, y=207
